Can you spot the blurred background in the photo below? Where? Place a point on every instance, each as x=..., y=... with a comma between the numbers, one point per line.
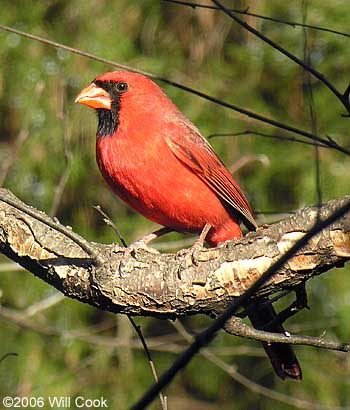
x=47, y=158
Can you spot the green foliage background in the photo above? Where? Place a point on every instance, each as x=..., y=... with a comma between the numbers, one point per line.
x=71, y=349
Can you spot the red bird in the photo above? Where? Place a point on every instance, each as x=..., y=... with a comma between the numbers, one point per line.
x=158, y=163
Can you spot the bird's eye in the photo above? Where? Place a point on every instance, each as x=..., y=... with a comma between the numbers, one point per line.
x=121, y=87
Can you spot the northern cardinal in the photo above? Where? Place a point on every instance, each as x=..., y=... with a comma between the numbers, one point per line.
x=157, y=162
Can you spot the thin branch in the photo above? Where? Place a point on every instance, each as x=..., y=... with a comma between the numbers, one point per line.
x=163, y=399
x=329, y=142
x=108, y=221
x=234, y=326
x=273, y=136
x=341, y=97
x=205, y=337
x=259, y=16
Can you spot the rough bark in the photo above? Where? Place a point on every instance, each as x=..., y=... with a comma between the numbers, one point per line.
x=171, y=285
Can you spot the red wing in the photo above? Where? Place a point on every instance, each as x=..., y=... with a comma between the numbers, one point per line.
x=194, y=151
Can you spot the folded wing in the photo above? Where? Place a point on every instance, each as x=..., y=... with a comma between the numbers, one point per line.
x=194, y=151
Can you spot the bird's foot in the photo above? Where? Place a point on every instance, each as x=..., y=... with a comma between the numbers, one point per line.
x=194, y=251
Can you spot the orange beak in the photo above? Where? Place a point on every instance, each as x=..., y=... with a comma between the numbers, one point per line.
x=94, y=97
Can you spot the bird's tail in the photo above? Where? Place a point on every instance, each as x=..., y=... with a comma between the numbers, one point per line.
x=281, y=355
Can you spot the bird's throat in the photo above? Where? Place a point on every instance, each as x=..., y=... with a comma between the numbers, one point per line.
x=108, y=121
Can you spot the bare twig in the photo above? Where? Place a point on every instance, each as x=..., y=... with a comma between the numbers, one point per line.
x=108, y=221
x=273, y=136
x=259, y=16
x=20, y=319
x=234, y=326
x=340, y=96
x=163, y=399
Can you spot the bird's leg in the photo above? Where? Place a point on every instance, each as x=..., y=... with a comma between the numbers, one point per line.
x=141, y=244
x=194, y=250
x=150, y=237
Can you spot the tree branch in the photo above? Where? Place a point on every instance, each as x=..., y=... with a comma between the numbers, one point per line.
x=342, y=97
x=236, y=327
x=168, y=285
x=259, y=16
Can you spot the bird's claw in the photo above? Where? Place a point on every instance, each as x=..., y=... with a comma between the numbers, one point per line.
x=192, y=252
x=197, y=247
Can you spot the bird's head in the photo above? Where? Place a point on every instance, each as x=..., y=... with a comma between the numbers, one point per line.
x=112, y=93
